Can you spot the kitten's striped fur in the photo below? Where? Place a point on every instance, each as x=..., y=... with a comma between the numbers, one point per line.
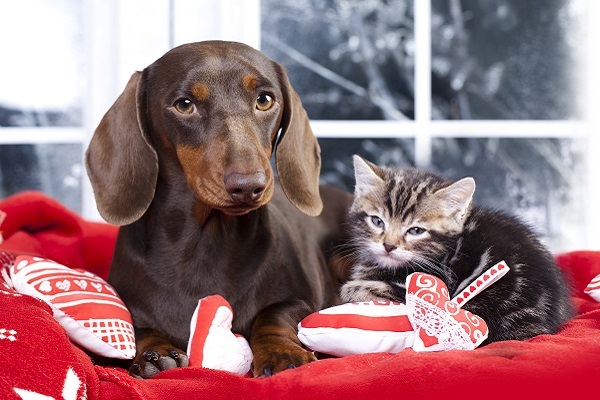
x=406, y=220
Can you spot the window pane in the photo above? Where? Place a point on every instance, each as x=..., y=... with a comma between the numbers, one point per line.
x=506, y=59
x=55, y=169
x=346, y=59
x=41, y=74
x=336, y=154
x=537, y=179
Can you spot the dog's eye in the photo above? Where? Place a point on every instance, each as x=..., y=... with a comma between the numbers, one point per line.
x=185, y=106
x=264, y=102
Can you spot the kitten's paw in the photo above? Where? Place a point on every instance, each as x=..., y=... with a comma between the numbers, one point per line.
x=360, y=291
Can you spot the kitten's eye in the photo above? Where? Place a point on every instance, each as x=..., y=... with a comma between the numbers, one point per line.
x=264, y=102
x=378, y=222
x=416, y=230
x=185, y=106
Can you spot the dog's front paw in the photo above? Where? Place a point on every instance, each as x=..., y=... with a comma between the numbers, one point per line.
x=269, y=360
x=157, y=359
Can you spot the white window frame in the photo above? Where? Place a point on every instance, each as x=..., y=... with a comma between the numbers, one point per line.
x=423, y=129
x=125, y=36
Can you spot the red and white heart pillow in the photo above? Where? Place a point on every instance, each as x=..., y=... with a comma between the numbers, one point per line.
x=430, y=321
x=212, y=343
x=85, y=305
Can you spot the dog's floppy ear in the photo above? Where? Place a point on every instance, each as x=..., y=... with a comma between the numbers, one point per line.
x=120, y=160
x=297, y=155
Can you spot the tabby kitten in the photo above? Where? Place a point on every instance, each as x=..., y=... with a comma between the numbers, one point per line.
x=406, y=220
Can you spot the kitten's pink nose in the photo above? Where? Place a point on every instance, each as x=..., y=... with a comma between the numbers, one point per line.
x=389, y=247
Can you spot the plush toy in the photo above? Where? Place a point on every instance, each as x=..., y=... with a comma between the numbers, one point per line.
x=429, y=321
x=84, y=304
x=212, y=344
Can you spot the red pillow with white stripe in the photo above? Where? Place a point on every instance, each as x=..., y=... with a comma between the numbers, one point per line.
x=85, y=305
x=357, y=328
x=593, y=288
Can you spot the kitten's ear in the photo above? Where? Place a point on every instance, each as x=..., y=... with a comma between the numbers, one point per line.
x=456, y=199
x=366, y=175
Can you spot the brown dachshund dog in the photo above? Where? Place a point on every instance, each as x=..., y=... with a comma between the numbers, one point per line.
x=182, y=162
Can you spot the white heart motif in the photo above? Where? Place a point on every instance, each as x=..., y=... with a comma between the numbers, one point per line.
x=110, y=289
x=97, y=286
x=81, y=283
x=45, y=287
x=64, y=285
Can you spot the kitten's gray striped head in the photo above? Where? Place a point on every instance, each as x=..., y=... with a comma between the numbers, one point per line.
x=401, y=215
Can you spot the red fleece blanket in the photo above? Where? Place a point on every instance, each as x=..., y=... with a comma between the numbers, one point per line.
x=37, y=358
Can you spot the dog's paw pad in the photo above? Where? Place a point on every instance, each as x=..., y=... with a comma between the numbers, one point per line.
x=153, y=361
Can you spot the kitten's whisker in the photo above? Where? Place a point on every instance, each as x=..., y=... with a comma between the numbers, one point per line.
x=432, y=265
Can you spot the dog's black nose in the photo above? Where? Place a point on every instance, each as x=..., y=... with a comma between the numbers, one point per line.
x=245, y=188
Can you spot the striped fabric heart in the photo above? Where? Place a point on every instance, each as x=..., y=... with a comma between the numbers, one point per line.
x=357, y=328
x=212, y=343
x=429, y=321
x=83, y=303
x=593, y=288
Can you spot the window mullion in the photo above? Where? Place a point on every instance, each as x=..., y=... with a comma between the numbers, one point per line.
x=39, y=135
x=422, y=83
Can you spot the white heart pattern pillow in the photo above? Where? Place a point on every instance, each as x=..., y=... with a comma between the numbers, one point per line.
x=85, y=305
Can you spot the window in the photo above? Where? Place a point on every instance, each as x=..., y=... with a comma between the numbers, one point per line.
x=467, y=87
x=41, y=104
x=464, y=87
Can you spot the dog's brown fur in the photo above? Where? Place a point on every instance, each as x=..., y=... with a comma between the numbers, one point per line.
x=201, y=211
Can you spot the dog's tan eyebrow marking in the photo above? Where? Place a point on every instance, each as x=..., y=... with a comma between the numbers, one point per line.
x=200, y=91
x=250, y=82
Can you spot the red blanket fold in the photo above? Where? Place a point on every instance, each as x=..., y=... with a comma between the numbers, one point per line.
x=38, y=225
x=38, y=358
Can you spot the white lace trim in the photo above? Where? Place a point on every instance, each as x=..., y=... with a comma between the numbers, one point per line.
x=438, y=323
